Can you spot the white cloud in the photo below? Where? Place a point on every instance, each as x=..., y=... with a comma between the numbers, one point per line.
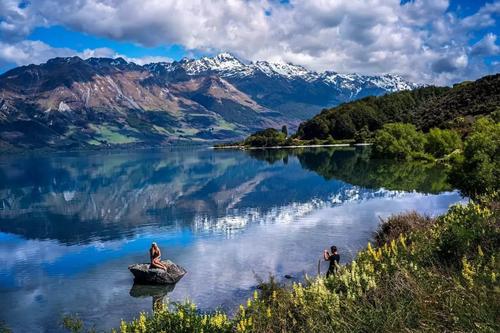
x=420, y=39
x=486, y=46
x=37, y=52
x=145, y=60
x=25, y=52
x=485, y=16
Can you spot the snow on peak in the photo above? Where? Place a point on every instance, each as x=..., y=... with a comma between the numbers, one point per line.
x=227, y=65
x=355, y=82
x=392, y=82
x=223, y=62
x=283, y=69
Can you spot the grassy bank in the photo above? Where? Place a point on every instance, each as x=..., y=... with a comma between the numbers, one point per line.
x=420, y=274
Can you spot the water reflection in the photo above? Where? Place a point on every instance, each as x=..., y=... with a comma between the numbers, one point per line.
x=157, y=293
x=354, y=166
x=70, y=224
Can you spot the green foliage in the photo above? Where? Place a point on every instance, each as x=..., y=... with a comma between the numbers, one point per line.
x=464, y=228
x=363, y=135
x=425, y=107
x=266, y=138
x=317, y=128
x=368, y=114
x=440, y=142
x=478, y=170
x=398, y=140
x=73, y=324
x=467, y=100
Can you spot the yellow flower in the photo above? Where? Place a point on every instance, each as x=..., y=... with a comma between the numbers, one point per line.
x=219, y=320
x=142, y=322
x=468, y=272
x=402, y=240
x=372, y=252
x=123, y=326
x=480, y=251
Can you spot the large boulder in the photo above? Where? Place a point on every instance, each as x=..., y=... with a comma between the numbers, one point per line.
x=143, y=273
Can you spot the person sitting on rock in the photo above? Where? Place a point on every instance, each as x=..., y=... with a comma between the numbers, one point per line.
x=333, y=258
x=155, y=256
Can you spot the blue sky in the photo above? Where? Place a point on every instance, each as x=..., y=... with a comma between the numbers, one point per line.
x=432, y=41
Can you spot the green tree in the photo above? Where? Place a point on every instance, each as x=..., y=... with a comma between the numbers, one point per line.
x=478, y=170
x=398, y=140
x=266, y=138
x=363, y=135
x=317, y=128
x=442, y=142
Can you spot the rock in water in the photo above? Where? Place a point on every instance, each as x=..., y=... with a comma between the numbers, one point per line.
x=144, y=274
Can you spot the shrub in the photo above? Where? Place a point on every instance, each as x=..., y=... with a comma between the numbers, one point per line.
x=401, y=224
x=442, y=142
x=398, y=140
x=478, y=170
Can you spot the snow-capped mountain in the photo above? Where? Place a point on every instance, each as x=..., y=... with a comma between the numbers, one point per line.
x=102, y=101
x=227, y=65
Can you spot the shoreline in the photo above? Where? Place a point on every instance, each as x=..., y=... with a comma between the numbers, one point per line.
x=294, y=146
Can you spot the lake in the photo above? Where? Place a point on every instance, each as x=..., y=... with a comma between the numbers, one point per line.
x=71, y=223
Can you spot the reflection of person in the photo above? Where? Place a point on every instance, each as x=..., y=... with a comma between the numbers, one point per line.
x=333, y=258
x=155, y=256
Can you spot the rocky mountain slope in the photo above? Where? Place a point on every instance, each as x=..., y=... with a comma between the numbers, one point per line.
x=74, y=103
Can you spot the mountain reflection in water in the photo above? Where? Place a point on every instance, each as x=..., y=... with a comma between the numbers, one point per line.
x=71, y=223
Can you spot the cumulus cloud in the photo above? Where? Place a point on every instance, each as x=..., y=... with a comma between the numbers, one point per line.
x=420, y=39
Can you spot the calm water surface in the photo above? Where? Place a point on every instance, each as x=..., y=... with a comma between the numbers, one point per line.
x=70, y=224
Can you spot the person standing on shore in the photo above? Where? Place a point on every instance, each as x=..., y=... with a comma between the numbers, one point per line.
x=333, y=258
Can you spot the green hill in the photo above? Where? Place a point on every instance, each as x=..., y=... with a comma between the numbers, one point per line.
x=425, y=107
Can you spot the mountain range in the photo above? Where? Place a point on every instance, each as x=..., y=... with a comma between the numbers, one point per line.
x=71, y=103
